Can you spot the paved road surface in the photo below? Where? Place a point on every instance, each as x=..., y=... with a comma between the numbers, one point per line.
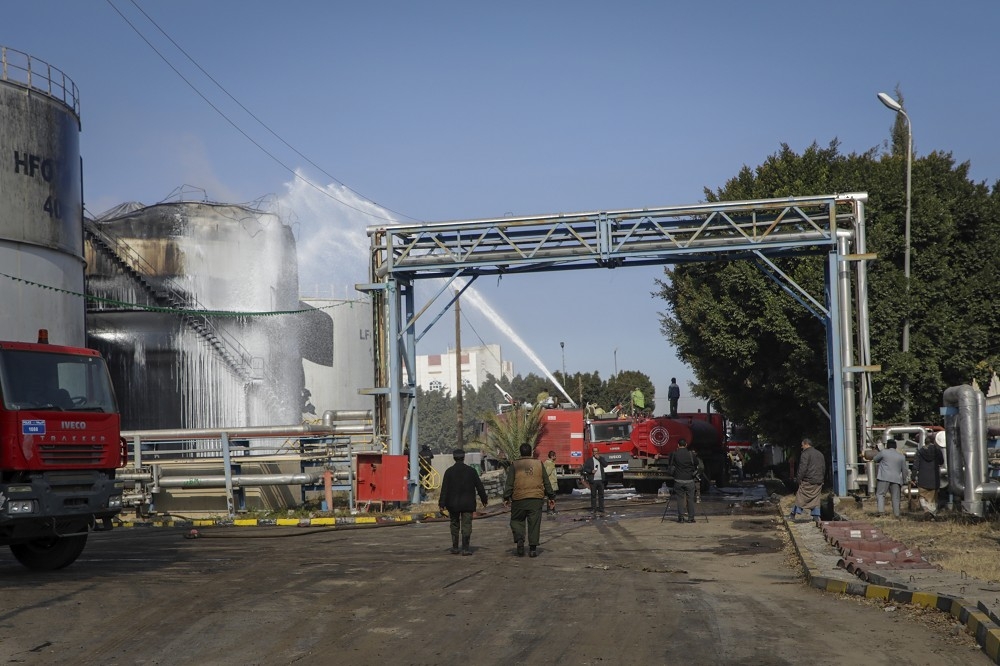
x=628, y=589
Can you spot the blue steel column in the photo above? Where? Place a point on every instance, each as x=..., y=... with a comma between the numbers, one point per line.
x=410, y=361
x=864, y=332
x=835, y=366
x=395, y=378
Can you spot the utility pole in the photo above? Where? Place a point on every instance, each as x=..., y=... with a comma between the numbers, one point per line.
x=458, y=370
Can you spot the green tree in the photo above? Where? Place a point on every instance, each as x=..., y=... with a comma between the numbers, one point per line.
x=761, y=357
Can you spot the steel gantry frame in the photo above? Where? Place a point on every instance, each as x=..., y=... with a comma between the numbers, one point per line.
x=758, y=231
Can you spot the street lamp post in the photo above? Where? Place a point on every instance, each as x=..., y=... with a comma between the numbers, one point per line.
x=562, y=345
x=893, y=105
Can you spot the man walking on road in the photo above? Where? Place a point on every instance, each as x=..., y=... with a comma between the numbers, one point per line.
x=810, y=474
x=526, y=487
x=458, y=497
x=891, y=475
x=683, y=467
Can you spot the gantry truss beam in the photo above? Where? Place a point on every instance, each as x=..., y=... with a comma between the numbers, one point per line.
x=795, y=225
x=757, y=230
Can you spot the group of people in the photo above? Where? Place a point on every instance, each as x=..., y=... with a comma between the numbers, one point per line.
x=529, y=483
x=892, y=473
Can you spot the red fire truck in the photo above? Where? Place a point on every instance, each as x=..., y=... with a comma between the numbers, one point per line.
x=60, y=446
x=562, y=432
x=654, y=439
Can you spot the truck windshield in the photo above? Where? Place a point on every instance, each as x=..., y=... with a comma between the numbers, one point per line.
x=610, y=431
x=46, y=380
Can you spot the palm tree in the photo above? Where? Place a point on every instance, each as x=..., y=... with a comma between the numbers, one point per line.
x=505, y=433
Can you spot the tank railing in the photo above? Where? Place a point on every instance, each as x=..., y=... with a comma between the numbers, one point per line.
x=240, y=358
x=179, y=459
x=19, y=67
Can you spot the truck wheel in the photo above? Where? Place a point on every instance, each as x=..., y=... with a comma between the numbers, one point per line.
x=566, y=486
x=50, y=553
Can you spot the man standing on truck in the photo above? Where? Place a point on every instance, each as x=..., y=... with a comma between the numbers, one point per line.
x=526, y=487
x=638, y=402
x=593, y=475
x=673, y=395
x=684, y=468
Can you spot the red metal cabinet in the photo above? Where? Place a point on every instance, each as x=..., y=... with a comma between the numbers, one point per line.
x=382, y=478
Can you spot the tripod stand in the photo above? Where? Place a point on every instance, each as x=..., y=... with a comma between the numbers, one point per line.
x=666, y=507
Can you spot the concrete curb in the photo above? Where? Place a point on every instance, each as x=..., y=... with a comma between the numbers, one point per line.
x=981, y=625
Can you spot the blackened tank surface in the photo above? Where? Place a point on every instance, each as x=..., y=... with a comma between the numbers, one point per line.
x=188, y=361
x=41, y=202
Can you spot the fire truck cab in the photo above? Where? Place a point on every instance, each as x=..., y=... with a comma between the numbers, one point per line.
x=60, y=447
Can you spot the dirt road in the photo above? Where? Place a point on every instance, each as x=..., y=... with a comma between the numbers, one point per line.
x=627, y=589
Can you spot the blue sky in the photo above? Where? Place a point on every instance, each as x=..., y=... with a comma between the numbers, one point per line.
x=464, y=110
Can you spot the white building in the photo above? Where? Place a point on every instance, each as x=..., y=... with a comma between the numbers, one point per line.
x=437, y=371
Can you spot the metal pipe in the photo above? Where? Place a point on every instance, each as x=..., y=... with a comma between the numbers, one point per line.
x=133, y=476
x=331, y=415
x=888, y=433
x=965, y=436
x=846, y=379
x=303, y=430
x=245, y=480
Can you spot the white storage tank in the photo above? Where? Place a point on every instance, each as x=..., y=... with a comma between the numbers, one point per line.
x=41, y=202
x=337, y=354
x=183, y=370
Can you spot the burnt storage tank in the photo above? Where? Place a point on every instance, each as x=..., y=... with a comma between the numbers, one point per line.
x=41, y=202
x=337, y=355
x=183, y=330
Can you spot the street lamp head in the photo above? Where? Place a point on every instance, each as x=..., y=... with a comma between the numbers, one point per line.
x=890, y=102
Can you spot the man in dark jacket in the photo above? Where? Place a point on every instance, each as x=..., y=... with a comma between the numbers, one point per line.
x=927, y=470
x=810, y=474
x=458, y=497
x=683, y=467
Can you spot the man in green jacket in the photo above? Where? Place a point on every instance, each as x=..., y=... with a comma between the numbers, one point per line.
x=527, y=485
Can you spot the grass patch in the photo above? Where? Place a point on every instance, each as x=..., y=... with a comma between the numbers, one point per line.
x=955, y=542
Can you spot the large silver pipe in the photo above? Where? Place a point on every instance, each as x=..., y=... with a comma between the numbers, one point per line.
x=331, y=415
x=965, y=436
x=303, y=430
x=846, y=379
